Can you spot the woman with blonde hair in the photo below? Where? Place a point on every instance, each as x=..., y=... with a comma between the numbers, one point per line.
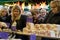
x=4, y=15
x=18, y=20
x=16, y=13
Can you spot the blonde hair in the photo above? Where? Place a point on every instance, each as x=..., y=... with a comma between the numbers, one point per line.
x=15, y=7
x=3, y=9
x=56, y=3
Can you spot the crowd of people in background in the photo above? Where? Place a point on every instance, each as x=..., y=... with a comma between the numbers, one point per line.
x=18, y=19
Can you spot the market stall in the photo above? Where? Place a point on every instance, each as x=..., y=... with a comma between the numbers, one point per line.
x=36, y=32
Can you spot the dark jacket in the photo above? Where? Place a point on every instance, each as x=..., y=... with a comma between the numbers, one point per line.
x=5, y=19
x=52, y=18
x=21, y=23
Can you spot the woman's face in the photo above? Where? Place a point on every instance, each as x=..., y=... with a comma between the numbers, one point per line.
x=16, y=12
x=54, y=8
x=4, y=12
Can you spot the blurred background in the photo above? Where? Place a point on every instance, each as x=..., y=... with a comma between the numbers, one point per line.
x=26, y=5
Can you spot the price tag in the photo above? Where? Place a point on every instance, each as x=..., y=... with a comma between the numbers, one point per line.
x=58, y=27
x=52, y=33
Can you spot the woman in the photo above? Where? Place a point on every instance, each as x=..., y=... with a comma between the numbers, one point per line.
x=54, y=15
x=4, y=15
x=18, y=20
x=35, y=16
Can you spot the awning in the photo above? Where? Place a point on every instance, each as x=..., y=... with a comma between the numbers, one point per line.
x=10, y=0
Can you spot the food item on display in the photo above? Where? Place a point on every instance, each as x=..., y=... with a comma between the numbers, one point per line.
x=47, y=33
x=54, y=27
x=0, y=29
x=27, y=28
x=10, y=31
x=43, y=26
x=27, y=31
x=48, y=26
x=42, y=32
x=7, y=30
x=4, y=24
x=37, y=32
x=40, y=29
x=51, y=26
x=37, y=27
x=30, y=25
x=18, y=31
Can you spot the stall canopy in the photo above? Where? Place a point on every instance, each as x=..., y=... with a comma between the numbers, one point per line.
x=2, y=2
x=27, y=1
x=10, y=0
